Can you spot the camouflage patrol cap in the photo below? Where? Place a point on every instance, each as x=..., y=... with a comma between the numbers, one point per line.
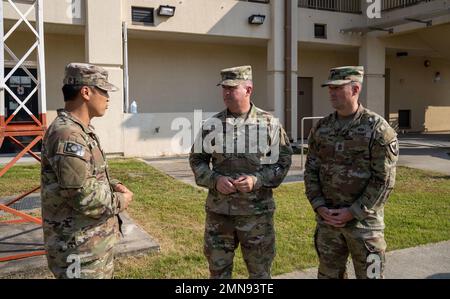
x=235, y=75
x=84, y=74
x=344, y=75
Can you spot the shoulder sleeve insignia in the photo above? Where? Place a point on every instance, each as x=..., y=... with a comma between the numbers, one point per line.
x=73, y=149
x=393, y=146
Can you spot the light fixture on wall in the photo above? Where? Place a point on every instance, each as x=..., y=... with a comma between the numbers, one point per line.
x=256, y=19
x=166, y=11
x=437, y=77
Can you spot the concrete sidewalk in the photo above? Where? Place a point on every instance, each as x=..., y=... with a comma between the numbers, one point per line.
x=425, y=151
x=27, y=237
x=178, y=168
x=430, y=261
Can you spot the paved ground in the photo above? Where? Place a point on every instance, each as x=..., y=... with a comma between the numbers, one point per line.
x=431, y=261
x=21, y=238
x=428, y=152
x=27, y=159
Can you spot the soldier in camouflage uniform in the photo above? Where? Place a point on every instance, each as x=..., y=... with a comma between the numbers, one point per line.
x=80, y=202
x=349, y=174
x=240, y=205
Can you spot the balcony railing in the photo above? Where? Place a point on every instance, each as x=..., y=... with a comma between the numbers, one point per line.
x=257, y=1
x=349, y=6
x=394, y=4
x=354, y=6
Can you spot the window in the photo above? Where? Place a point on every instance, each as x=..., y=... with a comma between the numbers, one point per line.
x=320, y=31
x=142, y=15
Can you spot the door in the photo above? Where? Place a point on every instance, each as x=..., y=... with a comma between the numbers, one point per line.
x=387, y=96
x=22, y=85
x=304, y=104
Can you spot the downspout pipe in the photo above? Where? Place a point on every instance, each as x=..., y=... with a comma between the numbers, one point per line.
x=287, y=66
x=125, y=69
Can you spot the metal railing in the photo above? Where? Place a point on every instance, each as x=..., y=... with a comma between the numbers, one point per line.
x=302, y=145
x=348, y=6
x=354, y=6
x=394, y=4
x=257, y=1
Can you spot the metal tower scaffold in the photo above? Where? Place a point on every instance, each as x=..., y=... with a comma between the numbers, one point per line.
x=34, y=126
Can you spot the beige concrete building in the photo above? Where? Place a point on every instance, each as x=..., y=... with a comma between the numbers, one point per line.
x=171, y=64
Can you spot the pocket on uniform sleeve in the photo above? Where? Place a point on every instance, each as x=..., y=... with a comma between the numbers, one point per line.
x=72, y=172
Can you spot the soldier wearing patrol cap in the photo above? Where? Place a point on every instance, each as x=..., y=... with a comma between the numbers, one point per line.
x=349, y=174
x=240, y=204
x=80, y=202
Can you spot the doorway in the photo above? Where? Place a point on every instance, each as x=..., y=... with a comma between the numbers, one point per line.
x=22, y=85
x=304, y=103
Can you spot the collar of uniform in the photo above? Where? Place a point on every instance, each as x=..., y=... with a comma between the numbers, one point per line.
x=249, y=115
x=65, y=113
x=353, y=122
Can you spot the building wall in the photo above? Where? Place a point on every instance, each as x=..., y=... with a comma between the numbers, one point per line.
x=60, y=49
x=222, y=18
x=317, y=64
x=182, y=76
x=55, y=11
x=413, y=87
x=334, y=21
x=174, y=65
x=160, y=134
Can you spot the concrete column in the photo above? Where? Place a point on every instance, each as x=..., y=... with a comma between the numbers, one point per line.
x=276, y=63
x=372, y=55
x=103, y=41
x=275, y=60
x=294, y=71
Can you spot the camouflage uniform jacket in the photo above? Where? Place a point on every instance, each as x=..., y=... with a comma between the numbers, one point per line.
x=79, y=206
x=246, y=162
x=353, y=166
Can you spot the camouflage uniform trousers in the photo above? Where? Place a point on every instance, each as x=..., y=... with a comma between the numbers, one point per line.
x=366, y=247
x=90, y=268
x=84, y=262
x=224, y=233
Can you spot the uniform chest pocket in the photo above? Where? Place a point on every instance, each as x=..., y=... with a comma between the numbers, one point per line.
x=355, y=150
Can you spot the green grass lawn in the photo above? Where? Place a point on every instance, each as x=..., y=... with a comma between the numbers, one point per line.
x=173, y=213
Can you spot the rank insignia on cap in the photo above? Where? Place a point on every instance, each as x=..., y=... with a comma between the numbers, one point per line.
x=74, y=149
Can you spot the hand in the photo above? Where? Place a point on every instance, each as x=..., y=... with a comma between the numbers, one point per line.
x=342, y=215
x=127, y=194
x=121, y=188
x=244, y=183
x=335, y=217
x=225, y=185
